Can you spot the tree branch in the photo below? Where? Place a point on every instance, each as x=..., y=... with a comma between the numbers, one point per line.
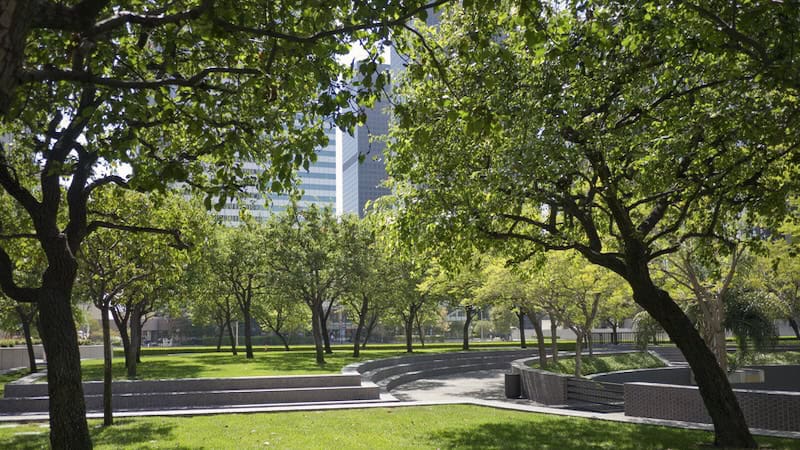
x=398, y=21
x=97, y=224
x=196, y=80
x=7, y=284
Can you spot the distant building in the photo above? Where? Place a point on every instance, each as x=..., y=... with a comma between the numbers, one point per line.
x=318, y=185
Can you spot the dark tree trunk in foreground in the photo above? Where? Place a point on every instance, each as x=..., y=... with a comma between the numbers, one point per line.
x=521, y=319
x=68, y=428
x=25, y=320
x=108, y=412
x=540, y=344
x=730, y=427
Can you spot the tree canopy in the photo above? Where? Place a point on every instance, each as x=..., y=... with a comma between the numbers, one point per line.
x=613, y=129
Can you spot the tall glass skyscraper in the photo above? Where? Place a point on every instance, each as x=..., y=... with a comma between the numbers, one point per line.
x=318, y=186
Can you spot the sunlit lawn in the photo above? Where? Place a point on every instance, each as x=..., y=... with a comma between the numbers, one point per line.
x=452, y=426
x=210, y=365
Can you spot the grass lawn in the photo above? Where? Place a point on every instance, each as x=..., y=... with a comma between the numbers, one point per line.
x=209, y=365
x=8, y=377
x=452, y=426
x=771, y=358
x=610, y=363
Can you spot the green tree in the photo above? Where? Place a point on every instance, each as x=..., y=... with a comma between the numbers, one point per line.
x=181, y=91
x=239, y=260
x=309, y=260
x=614, y=129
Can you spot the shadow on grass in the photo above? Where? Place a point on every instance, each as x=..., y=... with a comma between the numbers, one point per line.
x=568, y=434
x=160, y=369
x=124, y=433
x=134, y=433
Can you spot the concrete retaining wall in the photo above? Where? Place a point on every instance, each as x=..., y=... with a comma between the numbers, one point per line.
x=13, y=357
x=541, y=386
x=770, y=410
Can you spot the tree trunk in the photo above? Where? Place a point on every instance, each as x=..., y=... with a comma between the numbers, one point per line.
x=68, y=428
x=409, y=330
x=537, y=328
x=554, y=339
x=15, y=20
x=589, y=342
x=132, y=357
x=219, y=339
x=467, y=323
x=232, y=337
x=284, y=340
x=614, y=334
x=126, y=341
x=26, y=320
x=420, y=332
x=108, y=375
x=316, y=330
x=521, y=317
x=323, y=323
x=793, y=324
x=362, y=317
x=578, y=353
x=370, y=326
x=730, y=427
x=248, y=332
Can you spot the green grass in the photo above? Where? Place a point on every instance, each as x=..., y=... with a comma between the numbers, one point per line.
x=8, y=377
x=599, y=364
x=451, y=426
x=771, y=358
x=210, y=365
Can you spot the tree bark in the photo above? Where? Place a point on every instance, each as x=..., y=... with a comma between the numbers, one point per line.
x=68, y=427
x=232, y=337
x=108, y=412
x=316, y=330
x=614, y=334
x=362, y=317
x=15, y=20
x=323, y=323
x=730, y=427
x=248, y=332
x=521, y=317
x=467, y=322
x=284, y=340
x=219, y=339
x=554, y=339
x=578, y=353
x=537, y=328
x=26, y=320
x=132, y=357
x=409, y=330
x=370, y=326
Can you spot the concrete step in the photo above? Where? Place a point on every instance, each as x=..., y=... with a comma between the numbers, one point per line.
x=203, y=399
x=20, y=390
